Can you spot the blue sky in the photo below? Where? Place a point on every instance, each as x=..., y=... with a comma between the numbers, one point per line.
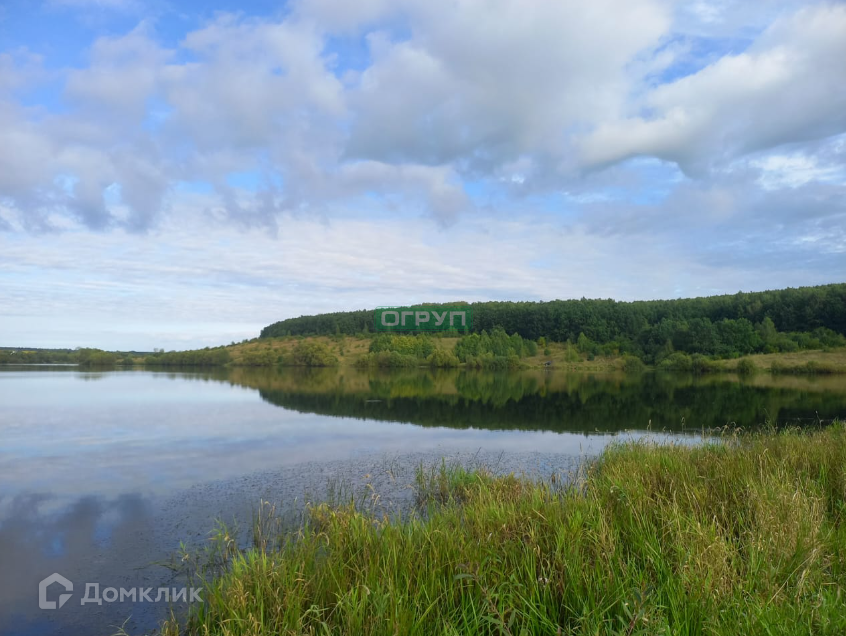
x=181, y=174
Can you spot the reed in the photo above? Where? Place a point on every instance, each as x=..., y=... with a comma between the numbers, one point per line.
x=743, y=534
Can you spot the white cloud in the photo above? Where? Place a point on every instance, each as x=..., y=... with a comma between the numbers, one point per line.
x=505, y=96
x=794, y=170
x=123, y=73
x=19, y=69
x=341, y=16
x=512, y=127
x=471, y=90
x=481, y=85
x=788, y=87
x=254, y=83
x=203, y=288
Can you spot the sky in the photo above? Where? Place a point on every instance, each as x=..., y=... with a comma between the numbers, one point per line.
x=180, y=174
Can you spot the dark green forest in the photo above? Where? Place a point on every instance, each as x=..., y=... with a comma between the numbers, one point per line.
x=84, y=356
x=720, y=326
x=674, y=334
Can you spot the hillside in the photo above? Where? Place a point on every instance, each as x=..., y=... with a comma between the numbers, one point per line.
x=782, y=331
x=722, y=326
x=351, y=350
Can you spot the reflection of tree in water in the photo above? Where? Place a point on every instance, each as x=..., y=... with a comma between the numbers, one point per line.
x=90, y=377
x=496, y=389
x=542, y=400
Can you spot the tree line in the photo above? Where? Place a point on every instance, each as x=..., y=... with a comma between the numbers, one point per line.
x=85, y=357
x=719, y=326
x=88, y=357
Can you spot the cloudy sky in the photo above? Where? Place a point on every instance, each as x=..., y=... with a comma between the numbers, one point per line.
x=180, y=174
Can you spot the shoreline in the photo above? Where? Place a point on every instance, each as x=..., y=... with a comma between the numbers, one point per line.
x=728, y=537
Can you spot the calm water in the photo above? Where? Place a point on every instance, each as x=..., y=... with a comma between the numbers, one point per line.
x=103, y=474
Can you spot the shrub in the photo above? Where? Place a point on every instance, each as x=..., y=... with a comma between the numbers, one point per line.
x=96, y=358
x=312, y=354
x=497, y=344
x=257, y=358
x=442, y=359
x=700, y=363
x=785, y=344
x=677, y=361
x=746, y=367
x=218, y=356
x=632, y=364
x=813, y=366
x=571, y=354
x=681, y=362
x=419, y=346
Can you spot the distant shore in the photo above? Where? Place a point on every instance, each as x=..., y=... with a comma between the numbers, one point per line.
x=351, y=351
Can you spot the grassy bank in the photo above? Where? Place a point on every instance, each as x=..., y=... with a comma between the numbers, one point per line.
x=820, y=362
x=340, y=350
x=744, y=535
x=351, y=350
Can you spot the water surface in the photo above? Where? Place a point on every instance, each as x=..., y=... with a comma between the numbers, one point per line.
x=102, y=474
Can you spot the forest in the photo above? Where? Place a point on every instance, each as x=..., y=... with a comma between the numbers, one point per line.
x=718, y=326
x=85, y=357
x=681, y=335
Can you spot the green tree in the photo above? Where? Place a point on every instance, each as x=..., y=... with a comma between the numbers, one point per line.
x=312, y=354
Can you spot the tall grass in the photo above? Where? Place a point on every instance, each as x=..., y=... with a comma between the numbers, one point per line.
x=812, y=367
x=740, y=535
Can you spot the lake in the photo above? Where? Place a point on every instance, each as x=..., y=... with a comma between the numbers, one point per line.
x=102, y=474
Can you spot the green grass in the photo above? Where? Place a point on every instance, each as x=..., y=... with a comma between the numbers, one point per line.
x=741, y=535
x=825, y=361
x=811, y=367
